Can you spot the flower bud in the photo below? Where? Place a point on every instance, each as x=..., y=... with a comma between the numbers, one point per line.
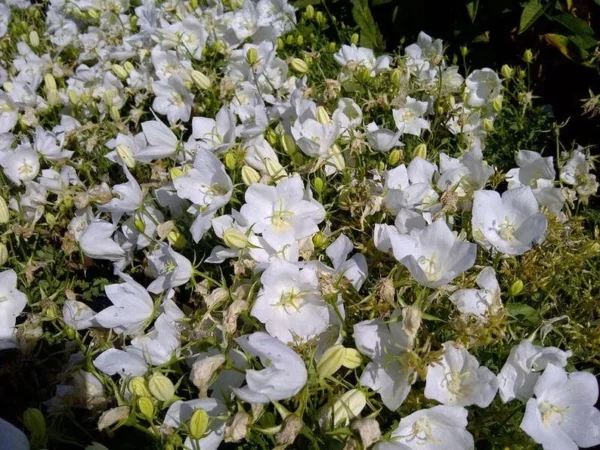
x=289, y=39
x=201, y=80
x=113, y=416
x=347, y=407
x=73, y=97
x=464, y=50
x=319, y=185
x=290, y=428
x=3, y=254
x=176, y=172
x=319, y=240
x=234, y=238
x=507, y=71
x=319, y=18
x=34, y=39
x=128, y=66
x=497, y=104
x=161, y=387
x=309, y=12
x=93, y=14
x=331, y=47
x=488, y=125
x=4, y=213
x=250, y=175
x=138, y=386
x=35, y=423
x=119, y=71
x=394, y=157
x=198, y=424
x=126, y=155
x=528, y=56
x=515, y=288
x=354, y=38
x=288, y=144
x=252, y=56
x=177, y=239
x=420, y=151
x=146, y=407
x=331, y=361
x=49, y=82
x=323, y=115
x=271, y=136
x=299, y=65
x=396, y=78
x=274, y=169
x=300, y=40
x=363, y=74
x=280, y=44
x=352, y=358
x=8, y=86
x=230, y=160
x=115, y=114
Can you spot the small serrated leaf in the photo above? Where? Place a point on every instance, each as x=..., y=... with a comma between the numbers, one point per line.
x=472, y=7
x=532, y=12
x=370, y=36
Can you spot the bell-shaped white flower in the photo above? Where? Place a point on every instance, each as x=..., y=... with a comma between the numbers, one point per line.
x=480, y=302
x=12, y=437
x=20, y=165
x=113, y=362
x=409, y=119
x=169, y=268
x=382, y=139
x=284, y=372
x=512, y=224
x=353, y=269
x=162, y=142
x=78, y=315
x=523, y=367
x=438, y=428
x=434, y=255
x=96, y=241
x=282, y=213
x=12, y=303
x=289, y=302
x=172, y=99
x=218, y=134
x=483, y=87
x=458, y=380
x=465, y=175
x=158, y=345
x=127, y=197
x=562, y=416
x=132, y=307
x=384, y=344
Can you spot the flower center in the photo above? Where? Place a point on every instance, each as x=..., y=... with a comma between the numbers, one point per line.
x=429, y=267
x=507, y=230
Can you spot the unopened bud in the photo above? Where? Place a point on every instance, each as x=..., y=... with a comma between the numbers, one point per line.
x=93, y=14
x=250, y=175
x=230, y=160
x=319, y=240
x=34, y=39
x=354, y=38
x=352, y=358
x=126, y=155
x=323, y=115
x=319, y=18
x=319, y=185
x=115, y=114
x=8, y=86
x=35, y=423
x=176, y=172
x=146, y=407
x=119, y=71
x=73, y=97
x=201, y=80
x=161, y=387
x=331, y=361
x=331, y=47
x=271, y=136
x=139, y=387
x=49, y=82
x=300, y=40
x=464, y=50
x=139, y=225
x=288, y=144
x=347, y=407
x=528, y=56
x=3, y=254
x=310, y=12
x=274, y=169
x=420, y=151
x=4, y=213
x=394, y=157
x=252, y=56
x=507, y=71
x=515, y=288
x=280, y=44
x=128, y=66
x=488, y=125
x=497, y=104
x=177, y=239
x=198, y=424
x=299, y=65
x=234, y=238
x=396, y=78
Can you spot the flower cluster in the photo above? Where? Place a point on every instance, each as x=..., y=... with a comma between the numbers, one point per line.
x=273, y=225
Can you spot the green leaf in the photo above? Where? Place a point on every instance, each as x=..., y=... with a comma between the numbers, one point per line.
x=525, y=311
x=370, y=36
x=472, y=7
x=566, y=46
x=426, y=316
x=532, y=12
x=304, y=3
x=574, y=24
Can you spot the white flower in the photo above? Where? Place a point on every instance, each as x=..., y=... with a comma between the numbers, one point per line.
x=289, y=303
x=188, y=37
x=284, y=374
x=172, y=99
x=158, y=345
x=132, y=307
x=127, y=197
x=465, y=175
x=4, y=19
x=410, y=187
x=438, y=428
x=480, y=302
x=169, y=268
x=317, y=140
x=216, y=135
x=384, y=344
x=523, y=368
x=281, y=213
x=12, y=303
x=382, y=139
x=562, y=415
x=78, y=315
x=162, y=142
x=512, y=224
x=483, y=86
x=351, y=55
x=409, y=119
x=354, y=269
x=8, y=113
x=457, y=379
x=21, y=165
x=96, y=241
x=434, y=255
x=113, y=361
x=12, y=437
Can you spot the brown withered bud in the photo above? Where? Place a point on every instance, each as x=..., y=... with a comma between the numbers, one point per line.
x=289, y=430
x=238, y=429
x=231, y=315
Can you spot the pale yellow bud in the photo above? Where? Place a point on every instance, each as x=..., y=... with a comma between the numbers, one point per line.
x=177, y=239
x=115, y=114
x=352, y=358
x=252, y=56
x=310, y=12
x=516, y=288
x=119, y=71
x=347, y=407
x=73, y=97
x=176, y=172
x=49, y=82
x=354, y=39
x=488, y=125
x=161, y=387
x=126, y=155
x=331, y=361
x=250, y=175
x=528, y=56
x=8, y=86
x=128, y=67
x=274, y=169
x=507, y=71
x=198, y=424
x=34, y=39
x=234, y=238
x=3, y=254
x=288, y=144
x=319, y=185
x=299, y=65
x=420, y=151
x=201, y=80
x=138, y=386
x=323, y=115
x=93, y=14
x=394, y=157
x=146, y=407
x=35, y=423
x=4, y=213
x=497, y=104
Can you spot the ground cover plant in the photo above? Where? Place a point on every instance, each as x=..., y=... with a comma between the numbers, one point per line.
x=228, y=225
